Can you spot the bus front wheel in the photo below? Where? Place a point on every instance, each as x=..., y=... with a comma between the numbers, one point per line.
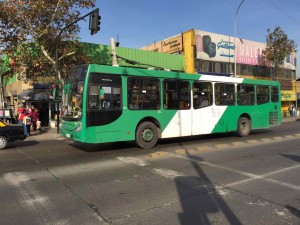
x=146, y=135
x=244, y=127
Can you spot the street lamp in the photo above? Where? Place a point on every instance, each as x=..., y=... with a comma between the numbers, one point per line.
x=235, y=36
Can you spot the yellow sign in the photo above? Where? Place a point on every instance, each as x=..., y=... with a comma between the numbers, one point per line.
x=288, y=96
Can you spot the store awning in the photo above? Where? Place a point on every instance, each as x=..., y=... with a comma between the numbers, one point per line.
x=35, y=95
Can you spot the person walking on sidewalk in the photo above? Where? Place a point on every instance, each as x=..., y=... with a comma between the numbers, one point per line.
x=34, y=117
x=294, y=111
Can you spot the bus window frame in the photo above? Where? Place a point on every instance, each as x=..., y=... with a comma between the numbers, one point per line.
x=178, y=95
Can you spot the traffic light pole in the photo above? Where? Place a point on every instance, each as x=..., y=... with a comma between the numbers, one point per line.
x=57, y=58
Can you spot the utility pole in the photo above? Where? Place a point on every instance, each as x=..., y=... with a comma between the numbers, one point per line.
x=113, y=52
x=235, y=36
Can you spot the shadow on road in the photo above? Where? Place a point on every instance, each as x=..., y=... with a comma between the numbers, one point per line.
x=293, y=210
x=200, y=199
x=293, y=157
x=102, y=147
x=21, y=144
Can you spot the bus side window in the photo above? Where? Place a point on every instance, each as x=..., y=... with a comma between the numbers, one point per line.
x=245, y=94
x=176, y=94
x=262, y=94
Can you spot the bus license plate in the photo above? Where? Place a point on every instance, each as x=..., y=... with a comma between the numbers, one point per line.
x=68, y=135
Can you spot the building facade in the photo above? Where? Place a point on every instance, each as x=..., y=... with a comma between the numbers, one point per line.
x=211, y=53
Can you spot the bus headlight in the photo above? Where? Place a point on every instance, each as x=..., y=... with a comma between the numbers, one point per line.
x=79, y=126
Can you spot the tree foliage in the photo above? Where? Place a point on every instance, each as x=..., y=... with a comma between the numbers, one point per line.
x=28, y=31
x=277, y=48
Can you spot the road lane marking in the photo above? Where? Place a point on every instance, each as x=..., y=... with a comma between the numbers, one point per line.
x=266, y=139
x=222, y=145
x=263, y=177
x=203, y=148
x=166, y=173
x=169, y=174
x=278, y=138
x=251, y=176
x=180, y=151
x=252, y=141
x=31, y=197
x=289, y=136
x=133, y=160
x=157, y=154
x=238, y=143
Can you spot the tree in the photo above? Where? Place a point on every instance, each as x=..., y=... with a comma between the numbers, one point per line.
x=277, y=48
x=28, y=31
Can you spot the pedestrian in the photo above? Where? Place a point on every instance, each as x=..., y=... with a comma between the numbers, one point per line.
x=34, y=117
x=21, y=116
x=27, y=122
x=294, y=111
x=291, y=110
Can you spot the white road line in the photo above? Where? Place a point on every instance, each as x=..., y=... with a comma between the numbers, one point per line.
x=133, y=160
x=170, y=174
x=251, y=175
x=263, y=176
x=31, y=197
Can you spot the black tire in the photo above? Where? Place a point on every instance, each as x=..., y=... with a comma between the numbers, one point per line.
x=3, y=142
x=146, y=135
x=243, y=127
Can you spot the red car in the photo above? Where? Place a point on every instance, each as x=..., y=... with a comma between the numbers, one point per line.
x=10, y=133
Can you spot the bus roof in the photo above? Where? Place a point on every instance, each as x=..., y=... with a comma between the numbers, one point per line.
x=130, y=71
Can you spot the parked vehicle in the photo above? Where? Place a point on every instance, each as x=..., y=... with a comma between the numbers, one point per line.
x=10, y=133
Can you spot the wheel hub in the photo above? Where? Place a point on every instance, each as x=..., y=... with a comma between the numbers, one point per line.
x=148, y=135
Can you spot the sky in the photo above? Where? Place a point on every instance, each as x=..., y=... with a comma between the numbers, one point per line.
x=138, y=23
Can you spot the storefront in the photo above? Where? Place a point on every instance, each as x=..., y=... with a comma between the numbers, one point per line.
x=41, y=98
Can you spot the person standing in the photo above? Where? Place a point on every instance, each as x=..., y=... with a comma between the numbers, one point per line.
x=294, y=111
x=27, y=122
x=34, y=117
x=21, y=116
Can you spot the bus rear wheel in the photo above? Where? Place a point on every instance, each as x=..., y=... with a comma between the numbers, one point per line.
x=243, y=127
x=146, y=135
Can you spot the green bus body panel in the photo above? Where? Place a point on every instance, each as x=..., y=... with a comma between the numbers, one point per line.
x=259, y=118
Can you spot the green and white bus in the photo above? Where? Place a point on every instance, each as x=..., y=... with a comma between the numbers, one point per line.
x=103, y=104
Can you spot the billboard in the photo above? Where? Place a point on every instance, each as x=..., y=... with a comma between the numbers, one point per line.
x=221, y=48
x=169, y=45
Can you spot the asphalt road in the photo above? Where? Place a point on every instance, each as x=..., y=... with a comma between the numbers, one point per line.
x=214, y=179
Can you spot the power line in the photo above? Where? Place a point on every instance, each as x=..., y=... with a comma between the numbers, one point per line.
x=291, y=18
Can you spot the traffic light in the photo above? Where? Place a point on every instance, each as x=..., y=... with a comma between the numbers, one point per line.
x=94, y=21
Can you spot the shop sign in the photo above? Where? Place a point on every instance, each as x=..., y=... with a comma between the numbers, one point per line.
x=172, y=45
x=288, y=96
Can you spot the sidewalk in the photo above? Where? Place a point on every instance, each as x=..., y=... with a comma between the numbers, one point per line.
x=290, y=119
x=45, y=133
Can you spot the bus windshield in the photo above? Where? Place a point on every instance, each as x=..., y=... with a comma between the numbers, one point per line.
x=73, y=93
